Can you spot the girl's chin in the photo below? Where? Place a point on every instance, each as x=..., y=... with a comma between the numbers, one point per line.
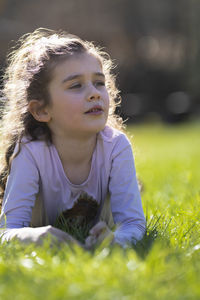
x=97, y=125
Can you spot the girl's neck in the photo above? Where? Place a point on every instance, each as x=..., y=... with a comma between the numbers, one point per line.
x=75, y=151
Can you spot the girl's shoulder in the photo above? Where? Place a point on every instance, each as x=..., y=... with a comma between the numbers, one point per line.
x=31, y=153
x=33, y=146
x=113, y=141
x=112, y=135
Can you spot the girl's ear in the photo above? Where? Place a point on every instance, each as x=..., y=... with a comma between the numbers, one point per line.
x=38, y=111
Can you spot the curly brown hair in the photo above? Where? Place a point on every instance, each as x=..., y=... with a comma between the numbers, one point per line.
x=27, y=76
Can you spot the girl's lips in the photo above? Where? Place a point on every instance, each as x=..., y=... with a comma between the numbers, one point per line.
x=95, y=110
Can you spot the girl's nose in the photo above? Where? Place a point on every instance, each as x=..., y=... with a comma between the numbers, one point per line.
x=93, y=94
x=94, y=97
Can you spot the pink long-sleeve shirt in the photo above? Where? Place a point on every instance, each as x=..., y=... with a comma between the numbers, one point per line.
x=38, y=189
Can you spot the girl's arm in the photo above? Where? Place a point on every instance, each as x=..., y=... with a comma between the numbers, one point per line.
x=37, y=235
x=125, y=201
x=125, y=197
x=19, y=199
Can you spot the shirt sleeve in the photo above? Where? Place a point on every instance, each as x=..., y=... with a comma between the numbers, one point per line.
x=125, y=197
x=20, y=193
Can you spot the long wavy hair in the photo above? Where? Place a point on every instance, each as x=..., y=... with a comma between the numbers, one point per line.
x=29, y=71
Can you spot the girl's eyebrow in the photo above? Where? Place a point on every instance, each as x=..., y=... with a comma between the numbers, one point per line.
x=72, y=77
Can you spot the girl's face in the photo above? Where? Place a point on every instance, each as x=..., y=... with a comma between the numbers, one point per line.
x=79, y=100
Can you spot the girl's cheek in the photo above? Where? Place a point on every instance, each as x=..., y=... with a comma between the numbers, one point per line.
x=106, y=95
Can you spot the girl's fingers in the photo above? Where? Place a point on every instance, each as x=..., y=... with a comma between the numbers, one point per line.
x=62, y=236
x=97, y=234
x=98, y=228
x=90, y=242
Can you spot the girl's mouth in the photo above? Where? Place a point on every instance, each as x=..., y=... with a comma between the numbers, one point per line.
x=96, y=110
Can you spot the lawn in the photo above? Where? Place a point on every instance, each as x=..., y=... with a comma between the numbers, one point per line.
x=164, y=265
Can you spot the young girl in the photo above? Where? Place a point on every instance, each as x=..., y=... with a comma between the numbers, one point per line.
x=62, y=146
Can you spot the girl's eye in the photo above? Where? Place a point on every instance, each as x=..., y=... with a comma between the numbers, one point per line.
x=100, y=83
x=75, y=86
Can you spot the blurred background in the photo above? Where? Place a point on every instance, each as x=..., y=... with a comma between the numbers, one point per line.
x=155, y=45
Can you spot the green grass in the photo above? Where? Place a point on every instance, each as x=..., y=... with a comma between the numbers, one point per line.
x=164, y=265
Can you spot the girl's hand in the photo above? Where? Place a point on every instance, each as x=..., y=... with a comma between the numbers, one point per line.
x=97, y=234
x=37, y=235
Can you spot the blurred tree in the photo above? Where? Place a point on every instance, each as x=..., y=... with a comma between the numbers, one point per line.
x=155, y=43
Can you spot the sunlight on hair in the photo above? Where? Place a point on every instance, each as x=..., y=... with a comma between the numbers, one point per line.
x=27, y=76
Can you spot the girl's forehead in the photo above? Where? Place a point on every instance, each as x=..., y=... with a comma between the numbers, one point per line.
x=83, y=62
